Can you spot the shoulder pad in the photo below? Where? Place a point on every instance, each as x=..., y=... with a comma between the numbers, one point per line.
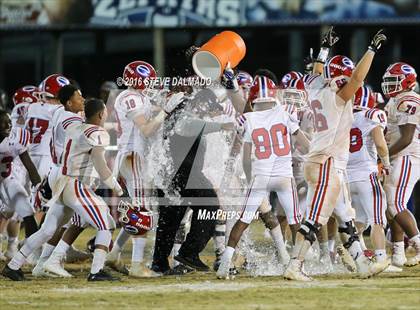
x=376, y=116
x=97, y=136
x=71, y=121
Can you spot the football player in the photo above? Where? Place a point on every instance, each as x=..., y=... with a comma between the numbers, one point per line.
x=83, y=161
x=267, y=141
x=136, y=123
x=403, y=134
x=330, y=99
x=367, y=141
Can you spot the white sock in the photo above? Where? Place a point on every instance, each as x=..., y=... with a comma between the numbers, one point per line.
x=323, y=248
x=61, y=248
x=278, y=240
x=416, y=241
x=98, y=261
x=47, y=250
x=399, y=247
x=17, y=261
x=331, y=245
x=228, y=254
x=121, y=239
x=11, y=240
x=380, y=255
x=138, y=250
x=175, y=250
x=355, y=250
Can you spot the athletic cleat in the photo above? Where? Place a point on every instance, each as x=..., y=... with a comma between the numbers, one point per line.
x=139, y=270
x=346, y=259
x=179, y=270
x=392, y=269
x=39, y=270
x=223, y=272
x=413, y=261
x=118, y=266
x=294, y=271
x=15, y=275
x=101, y=275
x=194, y=263
x=398, y=259
x=55, y=266
x=367, y=268
x=74, y=255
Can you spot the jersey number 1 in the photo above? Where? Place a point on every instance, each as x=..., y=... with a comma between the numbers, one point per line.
x=267, y=142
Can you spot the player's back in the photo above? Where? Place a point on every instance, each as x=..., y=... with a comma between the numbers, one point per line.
x=363, y=155
x=77, y=160
x=12, y=146
x=38, y=122
x=62, y=120
x=332, y=124
x=19, y=113
x=404, y=109
x=270, y=131
x=122, y=105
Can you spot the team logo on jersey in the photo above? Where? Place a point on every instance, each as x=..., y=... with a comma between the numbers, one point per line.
x=62, y=81
x=347, y=61
x=407, y=69
x=143, y=70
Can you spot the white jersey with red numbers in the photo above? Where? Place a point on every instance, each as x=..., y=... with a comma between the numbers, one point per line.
x=38, y=122
x=404, y=109
x=332, y=123
x=77, y=161
x=62, y=120
x=19, y=111
x=128, y=105
x=270, y=132
x=11, y=147
x=306, y=124
x=363, y=154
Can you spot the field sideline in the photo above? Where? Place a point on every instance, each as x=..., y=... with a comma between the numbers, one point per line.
x=203, y=291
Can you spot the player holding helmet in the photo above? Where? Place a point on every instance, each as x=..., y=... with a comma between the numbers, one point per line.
x=403, y=135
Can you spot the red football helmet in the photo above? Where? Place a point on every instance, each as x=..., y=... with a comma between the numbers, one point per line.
x=52, y=84
x=292, y=75
x=244, y=79
x=364, y=99
x=262, y=90
x=139, y=75
x=295, y=94
x=398, y=77
x=135, y=221
x=338, y=70
x=25, y=94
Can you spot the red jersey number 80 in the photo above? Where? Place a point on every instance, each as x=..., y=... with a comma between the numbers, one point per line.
x=320, y=122
x=267, y=142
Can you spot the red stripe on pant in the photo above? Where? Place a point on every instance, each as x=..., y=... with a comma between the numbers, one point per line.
x=83, y=204
x=89, y=197
x=327, y=178
x=406, y=182
x=316, y=191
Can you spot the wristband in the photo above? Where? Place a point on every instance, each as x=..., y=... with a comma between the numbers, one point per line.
x=323, y=54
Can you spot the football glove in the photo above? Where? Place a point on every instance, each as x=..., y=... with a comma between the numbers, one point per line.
x=228, y=79
x=172, y=102
x=330, y=38
x=378, y=39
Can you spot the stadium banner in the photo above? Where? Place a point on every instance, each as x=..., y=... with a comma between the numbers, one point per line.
x=202, y=13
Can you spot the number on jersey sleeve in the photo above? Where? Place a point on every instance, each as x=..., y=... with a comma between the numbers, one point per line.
x=320, y=122
x=267, y=142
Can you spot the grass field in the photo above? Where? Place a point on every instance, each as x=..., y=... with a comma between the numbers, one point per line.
x=203, y=291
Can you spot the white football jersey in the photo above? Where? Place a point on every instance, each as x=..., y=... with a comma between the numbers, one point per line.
x=306, y=124
x=61, y=121
x=404, y=109
x=363, y=155
x=270, y=132
x=38, y=122
x=77, y=161
x=11, y=147
x=332, y=124
x=19, y=111
x=128, y=105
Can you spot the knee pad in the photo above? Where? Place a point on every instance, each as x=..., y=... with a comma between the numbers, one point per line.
x=309, y=231
x=103, y=237
x=269, y=219
x=351, y=233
